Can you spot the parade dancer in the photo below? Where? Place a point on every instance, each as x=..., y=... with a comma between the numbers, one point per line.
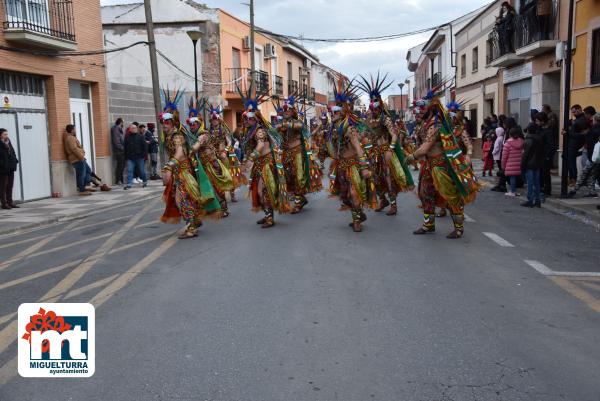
x=446, y=178
x=351, y=174
x=391, y=172
x=222, y=139
x=207, y=150
x=462, y=138
x=267, y=177
x=302, y=176
x=188, y=192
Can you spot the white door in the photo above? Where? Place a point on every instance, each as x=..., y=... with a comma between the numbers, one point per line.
x=80, y=117
x=34, y=161
x=9, y=121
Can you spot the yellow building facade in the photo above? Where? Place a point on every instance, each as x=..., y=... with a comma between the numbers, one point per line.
x=585, y=88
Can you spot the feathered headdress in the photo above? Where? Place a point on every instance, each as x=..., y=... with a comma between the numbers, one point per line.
x=345, y=96
x=251, y=101
x=374, y=87
x=195, y=110
x=170, y=101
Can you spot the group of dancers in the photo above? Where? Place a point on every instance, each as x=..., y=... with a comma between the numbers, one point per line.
x=371, y=156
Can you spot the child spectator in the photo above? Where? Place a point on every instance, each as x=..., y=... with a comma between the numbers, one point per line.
x=488, y=158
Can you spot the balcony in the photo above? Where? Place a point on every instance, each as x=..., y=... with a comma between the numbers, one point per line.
x=437, y=80
x=501, y=47
x=41, y=23
x=242, y=78
x=292, y=87
x=278, y=85
x=535, y=34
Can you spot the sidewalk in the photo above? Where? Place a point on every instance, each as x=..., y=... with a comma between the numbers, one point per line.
x=51, y=210
x=583, y=209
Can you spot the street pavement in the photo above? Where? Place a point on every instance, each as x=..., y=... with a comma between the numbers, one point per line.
x=310, y=310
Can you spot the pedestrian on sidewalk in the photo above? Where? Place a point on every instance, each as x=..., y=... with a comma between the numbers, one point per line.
x=135, y=148
x=8, y=166
x=576, y=134
x=532, y=162
x=488, y=158
x=511, y=160
x=118, y=143
x=152, y=142
x=591, y=172
x=76, y=156
x=549, y=137
x=497, y=155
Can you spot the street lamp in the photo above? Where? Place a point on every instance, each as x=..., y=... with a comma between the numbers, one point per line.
x=195, y=36
x=408, y=93
x=401, y=86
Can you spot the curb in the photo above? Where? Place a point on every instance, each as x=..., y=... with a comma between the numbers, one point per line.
x=74, y=216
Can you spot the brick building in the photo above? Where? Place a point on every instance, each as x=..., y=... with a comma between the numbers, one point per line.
x=43, y=90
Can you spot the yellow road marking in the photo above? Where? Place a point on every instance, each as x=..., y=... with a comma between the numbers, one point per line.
x=592, y=286
x=142, y=242
x=69, y=245
x=35, y=247
x=89, y=287
x=577, y=292
x=130, y=274
x=9, y=333
x=39, y=274
x=8, y=371
x=6, y=318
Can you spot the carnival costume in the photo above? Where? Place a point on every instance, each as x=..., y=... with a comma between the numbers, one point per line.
x=446, y=177
x=188, y=192
x=351, y=180
x=207, y=152
x=384, y=148
x=302, y=175
x=268, y=189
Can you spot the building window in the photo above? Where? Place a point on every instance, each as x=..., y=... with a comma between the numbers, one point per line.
x=463, y=65
x=475, y=59
x=21, y=84
x=595, y=79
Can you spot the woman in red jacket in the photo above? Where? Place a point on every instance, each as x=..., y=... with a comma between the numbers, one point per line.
x=511, y=159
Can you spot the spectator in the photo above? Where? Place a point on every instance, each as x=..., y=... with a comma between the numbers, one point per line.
x=152, y=142
x=511, y=160
x=576, y=136
x=76, y=156
x=589, y=113
x=591, y=173
x=541, y=119
x=505, y=26
x=118, y=142
x=531, y=163
x=8, y=166
x=135, y=148
x=552, y=120
x=488, y=158
x=544, y=15
x=497, y=154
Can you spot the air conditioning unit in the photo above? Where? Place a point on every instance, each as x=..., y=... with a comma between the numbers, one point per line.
x=246, y=42
x=269, y=50
x=307, y=64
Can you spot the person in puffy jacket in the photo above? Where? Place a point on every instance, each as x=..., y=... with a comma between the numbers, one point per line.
x=511, y=160
x=135, y=150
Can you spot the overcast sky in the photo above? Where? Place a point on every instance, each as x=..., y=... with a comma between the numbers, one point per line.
x=350, y=19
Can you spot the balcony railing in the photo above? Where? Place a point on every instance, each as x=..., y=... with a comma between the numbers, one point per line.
x=278, y=85
x=53, y=18
x=292, y=86
x=242, y=79
x=531, y=27
x=437, y=79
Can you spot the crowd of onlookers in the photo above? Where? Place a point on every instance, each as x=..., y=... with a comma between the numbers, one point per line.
x=527, y=155
x=135, y=148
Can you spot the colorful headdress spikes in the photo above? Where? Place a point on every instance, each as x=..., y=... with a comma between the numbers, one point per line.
x=170, y=101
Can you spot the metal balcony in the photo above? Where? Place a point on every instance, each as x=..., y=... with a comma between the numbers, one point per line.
x=278, y=85
x=536, y=34
x=241, y=77
x=501, y=47
x=292, y=86
x=41, y=23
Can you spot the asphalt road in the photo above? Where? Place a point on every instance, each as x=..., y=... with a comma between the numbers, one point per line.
x=310, y=310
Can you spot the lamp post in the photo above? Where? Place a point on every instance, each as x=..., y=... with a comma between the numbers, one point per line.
x=407, y=82
x=195, y=36
x=401, y=86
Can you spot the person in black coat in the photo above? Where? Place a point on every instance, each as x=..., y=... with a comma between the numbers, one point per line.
x=8, y=166
x=532, y=163
x=550, y=145
x=135, y=150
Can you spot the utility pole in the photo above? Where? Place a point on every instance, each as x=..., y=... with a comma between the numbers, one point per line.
x=252, y=52
x=567, y=103
x=154, y=70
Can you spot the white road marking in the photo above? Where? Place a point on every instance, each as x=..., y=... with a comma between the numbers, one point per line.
x=91, y=286
x=39, y=274
x=469, y=219
x=499, y=240
x=546, y=271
